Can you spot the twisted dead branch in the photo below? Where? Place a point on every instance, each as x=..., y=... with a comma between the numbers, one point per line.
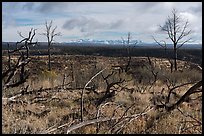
x=18, y=68
x=88, y=122
x=110, y=87
x=194, y=89
x=82, y=93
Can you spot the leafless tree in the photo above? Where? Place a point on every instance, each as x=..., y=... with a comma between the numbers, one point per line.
x=16, y=72
x=177, y=31
x=50, y=34
x=128, y=47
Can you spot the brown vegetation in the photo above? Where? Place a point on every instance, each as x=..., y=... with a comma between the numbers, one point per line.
x=140, y=100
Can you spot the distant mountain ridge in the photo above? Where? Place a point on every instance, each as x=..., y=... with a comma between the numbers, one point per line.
x=118, y=43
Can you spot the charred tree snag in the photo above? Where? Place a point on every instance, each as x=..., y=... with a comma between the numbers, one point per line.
x=16, y=72
x=50, y=34
x=177, y=32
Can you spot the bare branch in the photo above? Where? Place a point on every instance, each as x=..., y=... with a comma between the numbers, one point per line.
x=188, y=115
x=171, y=90
x=190, y=91
x=49, y=130
x=82, y=93
x=123, y=40
x=33, y=35
x=20, y=34
x=183, y=43
x=184, y=32
x=176, y=31
x=159, y=43
x=18, y=69
x=187, y=94
x=98, y=113
x=88, y=122
x=50, y=34
x=121, y=118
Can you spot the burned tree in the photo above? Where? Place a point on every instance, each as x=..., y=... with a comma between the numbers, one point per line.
x=128, y=47
x=16, y=73
x=50, y=34
x=111, y=87
x=177, y=31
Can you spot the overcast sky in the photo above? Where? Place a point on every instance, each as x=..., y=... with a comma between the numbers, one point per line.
x=97, y=20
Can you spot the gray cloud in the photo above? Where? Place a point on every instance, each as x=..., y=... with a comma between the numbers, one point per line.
x=85, y=24
x=116, y=24
x=146, y=5
x=29, y=6
x=94, y=18
x=45, y=7
x=196, y=9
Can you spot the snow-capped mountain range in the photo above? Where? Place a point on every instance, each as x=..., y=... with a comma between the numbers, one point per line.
x=93, y=42
x=112, y=42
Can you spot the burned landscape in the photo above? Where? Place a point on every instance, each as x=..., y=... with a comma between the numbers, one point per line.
x=50, y=101
x=94, y=86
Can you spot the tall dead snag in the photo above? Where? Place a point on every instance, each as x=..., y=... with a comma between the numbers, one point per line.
x=127, y=44
x=50, y=34
x=16, y=72
x=177, y=32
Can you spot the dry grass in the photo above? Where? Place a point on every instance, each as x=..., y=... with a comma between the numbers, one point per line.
x=62, y=106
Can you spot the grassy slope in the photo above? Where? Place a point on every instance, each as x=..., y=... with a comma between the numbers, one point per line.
x=63, y=105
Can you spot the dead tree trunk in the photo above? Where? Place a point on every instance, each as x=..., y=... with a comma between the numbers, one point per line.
x=50, y=34
x=16, y=73
x=127, y=44
x=177, y=32
x=49, y=61
x=175, y=58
